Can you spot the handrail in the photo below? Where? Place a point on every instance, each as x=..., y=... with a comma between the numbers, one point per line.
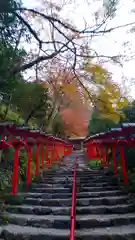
x=73, y=207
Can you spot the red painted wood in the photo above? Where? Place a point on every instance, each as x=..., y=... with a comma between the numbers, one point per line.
x=114, y=160
x=123, y=165
x=15, y=171
x=43, y=156
x=28, y=174
x=37, y=160
x=73, y=207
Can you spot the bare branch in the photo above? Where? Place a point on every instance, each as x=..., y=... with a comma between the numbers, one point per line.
x=38, y=60
x=29, y=28
x=50, y=18
x=108, y=30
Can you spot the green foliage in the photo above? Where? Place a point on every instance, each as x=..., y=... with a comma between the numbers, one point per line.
x=5, y=179
x=58, y=126
x=130, y=152
x=5, y=220
x=94, y=163
x=129, y=156
x=130, y=112
x=9, y=57
x=130, y=186
x=12, y=28
x=11, y=116
x=110, y=7
x=97, y=125
x=34, y=101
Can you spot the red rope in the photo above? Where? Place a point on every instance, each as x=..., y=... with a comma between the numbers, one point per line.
x=73, y=208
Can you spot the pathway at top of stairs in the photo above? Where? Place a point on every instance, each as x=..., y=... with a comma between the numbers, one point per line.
x=103, y=211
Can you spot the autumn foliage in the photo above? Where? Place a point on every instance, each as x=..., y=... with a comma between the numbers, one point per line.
x=76, y=121
x=75, y=94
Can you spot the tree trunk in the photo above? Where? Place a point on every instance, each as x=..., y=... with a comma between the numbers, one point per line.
x=33, y=111
x=52, y=116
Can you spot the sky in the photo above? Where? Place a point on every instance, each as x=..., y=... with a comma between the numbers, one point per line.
x=110, y=44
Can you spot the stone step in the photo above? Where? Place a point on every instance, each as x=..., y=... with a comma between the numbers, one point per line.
x=67, y=202
x=42, y=210
x=70, y=173
x=98, y=184
x=38, y=209
x=79, y=202
x=96, y=180
x=53, y=185
x=108, y=233
x=104, y=209
x=67, y=195
x=58, y=176
x=84, y=178
x=70, y=185
x=53, y=189
x=41, y=221
x=100, y=194
x=46, y=195
x=15, y=232
x=108, y=220
x=48, y=202
x=49, y=188
x=81, y=185
x=63, y=222
x=81, y=181
x=98, y=189
x=79, y=173
x=101, y=201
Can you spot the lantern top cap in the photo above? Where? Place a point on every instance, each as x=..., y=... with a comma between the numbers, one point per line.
x=128, y=124
x=23, y=126
x=7, y=123
x=116, y=129
x=102, y=133
x=34, y=130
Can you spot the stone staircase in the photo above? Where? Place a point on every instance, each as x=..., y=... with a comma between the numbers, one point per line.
x=103, y=211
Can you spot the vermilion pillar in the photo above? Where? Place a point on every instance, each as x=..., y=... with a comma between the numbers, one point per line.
x=51, y=152
x=43, y=155
x=65, y=150
x=114, y=160
x=17, y=145
x=97, y=149
x=60, y=151
x=103, y=155
x=53, y=155
x=37, y=160
x=15, y=171
x=49, y=155
x=28, y=174
x=107, y=155
x=123, y=164
x=55, y=152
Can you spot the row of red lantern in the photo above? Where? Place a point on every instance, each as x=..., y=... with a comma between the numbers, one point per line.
x=51, y=152
x=101, y=151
